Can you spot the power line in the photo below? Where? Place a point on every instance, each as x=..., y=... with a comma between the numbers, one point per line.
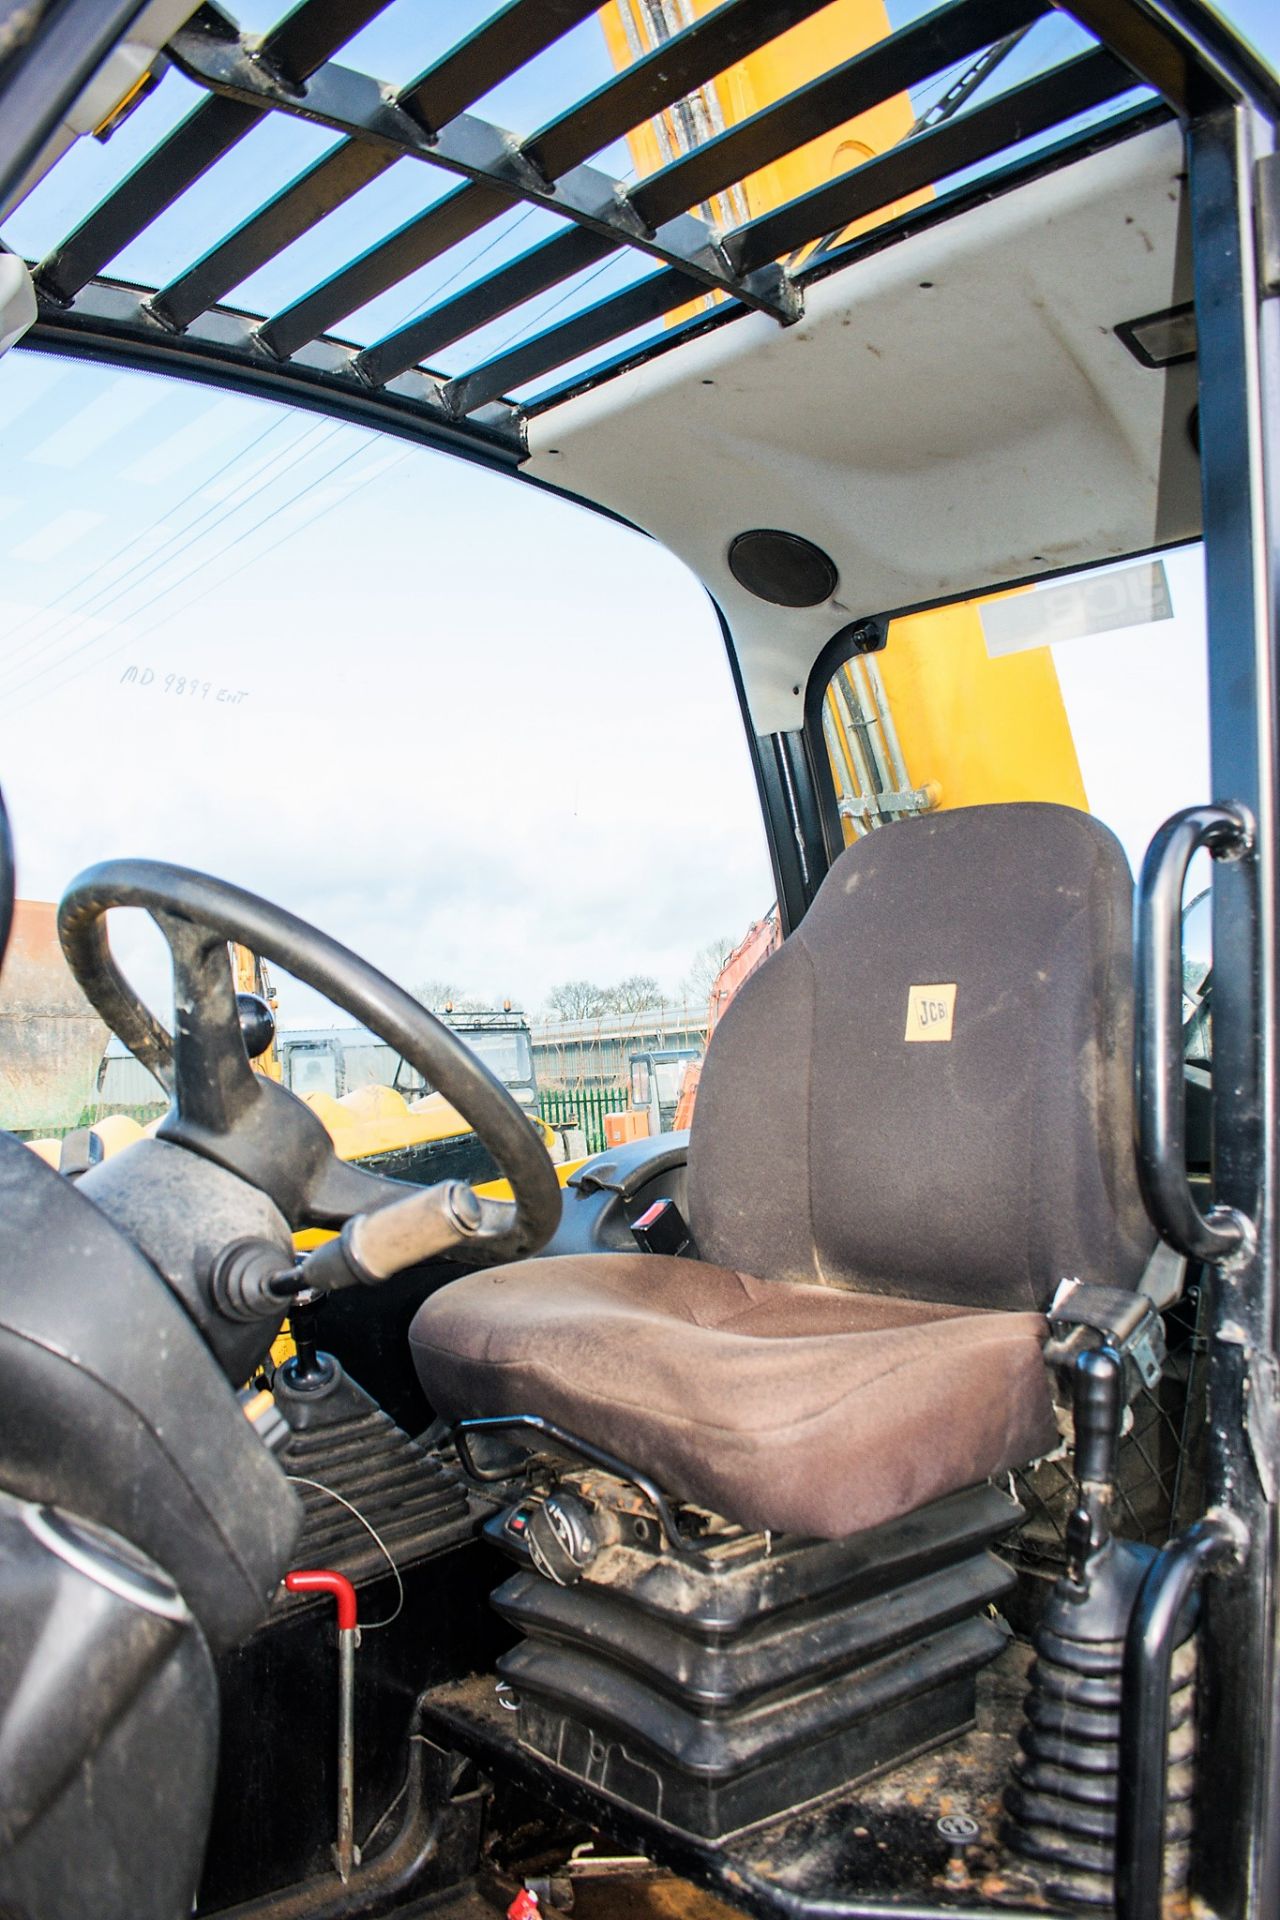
x=150, y=563
x=326, y=435
x=160, y=519
x=250, y=559
x=92, y=641
x=98, y=598
x=115, y=590
x=135, y=635
x=103, y=609
x=471, y=261
x=968, y=82
x=533, y=319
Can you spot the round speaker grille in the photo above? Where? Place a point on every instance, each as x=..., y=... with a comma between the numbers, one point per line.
x=782, y=567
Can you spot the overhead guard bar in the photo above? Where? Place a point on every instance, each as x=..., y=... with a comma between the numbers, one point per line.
x=647, y=218
x=678, y=66
x=301, y=43
x=1034, y=107
x=385, y=383
x=362, y=108
x=447, y=88
x=905, y=59
x=914, y=53
x=1162, y=1120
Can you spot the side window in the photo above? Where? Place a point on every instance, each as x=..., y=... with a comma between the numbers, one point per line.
x=368, y=1066
x=1090, y=691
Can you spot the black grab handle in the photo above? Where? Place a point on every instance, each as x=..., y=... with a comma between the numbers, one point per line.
x=1156, y=1625
x=1162, y=1118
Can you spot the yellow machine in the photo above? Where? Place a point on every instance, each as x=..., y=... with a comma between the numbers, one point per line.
x=630, y=26
x=376, y=1125
x=415, y=1139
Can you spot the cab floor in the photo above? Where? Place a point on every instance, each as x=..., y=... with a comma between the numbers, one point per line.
x=926, y=1831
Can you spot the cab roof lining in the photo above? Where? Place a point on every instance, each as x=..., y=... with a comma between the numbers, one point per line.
x=958, y=415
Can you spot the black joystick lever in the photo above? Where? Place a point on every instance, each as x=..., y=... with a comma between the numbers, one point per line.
x=1065, y=1785
x=309, y=1369
x=1097, y=1379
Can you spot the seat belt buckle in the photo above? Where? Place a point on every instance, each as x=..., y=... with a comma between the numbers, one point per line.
x=662, y=1228
x=1083, y=1315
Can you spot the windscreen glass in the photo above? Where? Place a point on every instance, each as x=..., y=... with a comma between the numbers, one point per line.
x=669, y=1074
x=507, y=1055
x=394, y=692
x=313, y=1070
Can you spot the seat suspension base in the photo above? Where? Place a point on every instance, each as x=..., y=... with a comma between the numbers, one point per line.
x=715, y=1688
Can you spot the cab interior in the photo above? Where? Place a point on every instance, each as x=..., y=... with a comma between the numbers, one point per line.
x=861, y=1502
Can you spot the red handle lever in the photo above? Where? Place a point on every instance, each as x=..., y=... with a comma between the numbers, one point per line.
x=320, y=1580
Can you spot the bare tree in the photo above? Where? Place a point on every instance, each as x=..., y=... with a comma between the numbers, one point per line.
x=578, y=1000
x=636, y=994
x=705, y=967
x=438, y=994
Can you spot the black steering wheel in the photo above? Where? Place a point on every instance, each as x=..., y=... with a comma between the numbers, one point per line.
x=250, y=1124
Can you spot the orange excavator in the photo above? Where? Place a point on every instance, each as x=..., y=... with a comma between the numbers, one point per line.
x=761, y=939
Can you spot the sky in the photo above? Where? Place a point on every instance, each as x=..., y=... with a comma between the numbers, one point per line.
x=471, y=729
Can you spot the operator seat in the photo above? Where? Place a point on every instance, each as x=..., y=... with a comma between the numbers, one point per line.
x=913, y=1122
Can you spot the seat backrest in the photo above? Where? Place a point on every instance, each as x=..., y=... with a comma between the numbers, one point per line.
x=928, y=1091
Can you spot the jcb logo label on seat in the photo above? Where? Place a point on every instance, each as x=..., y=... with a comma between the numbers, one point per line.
x=930, y=1011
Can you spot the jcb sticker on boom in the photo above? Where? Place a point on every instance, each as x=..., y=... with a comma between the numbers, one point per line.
x=930, y=1011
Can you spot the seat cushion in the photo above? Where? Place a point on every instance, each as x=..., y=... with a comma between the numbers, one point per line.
x=802, y=1409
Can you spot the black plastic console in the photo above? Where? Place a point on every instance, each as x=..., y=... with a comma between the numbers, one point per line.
x=613, y=1188
x=718, y=1687
x=108, y=1713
